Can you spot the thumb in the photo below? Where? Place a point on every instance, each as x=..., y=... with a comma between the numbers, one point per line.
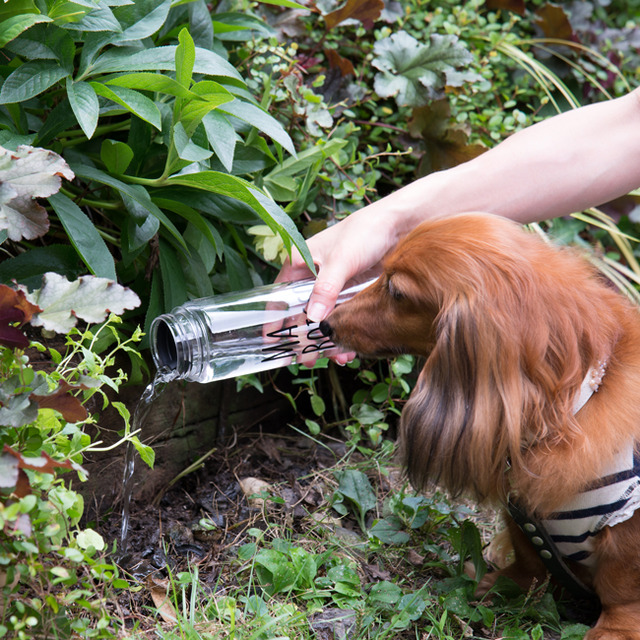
x=323, y=297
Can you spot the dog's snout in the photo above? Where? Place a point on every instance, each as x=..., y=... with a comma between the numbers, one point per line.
x=326, y=329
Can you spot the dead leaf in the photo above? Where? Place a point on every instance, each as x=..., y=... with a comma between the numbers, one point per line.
x=517, y=6
x=14, y=308
x=336, y=61
x=69, y=406
x=25, y=174
x=251, y=487
x=364, y=10
x=159, y=590
x=554, y=22
x=446, y=144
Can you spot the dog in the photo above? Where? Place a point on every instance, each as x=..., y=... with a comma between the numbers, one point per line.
x=529, y=395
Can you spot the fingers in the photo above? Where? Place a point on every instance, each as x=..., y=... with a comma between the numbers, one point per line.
x=324, y=295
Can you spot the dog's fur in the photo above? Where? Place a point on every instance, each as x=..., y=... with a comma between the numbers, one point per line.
x=510, y=326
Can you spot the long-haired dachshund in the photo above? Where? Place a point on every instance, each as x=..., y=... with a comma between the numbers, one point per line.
x=530, y=396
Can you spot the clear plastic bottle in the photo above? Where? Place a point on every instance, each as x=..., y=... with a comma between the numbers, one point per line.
x=240, y=333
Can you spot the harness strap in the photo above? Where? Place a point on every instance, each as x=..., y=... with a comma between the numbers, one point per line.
x=548, y=552
x=533, y=528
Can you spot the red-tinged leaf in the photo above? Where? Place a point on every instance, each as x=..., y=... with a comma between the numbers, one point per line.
x=43, y=463
x=517, y=6
x=69, y=406
x=446, y=143
x=336, y=61
x=554, y=22
x=23, y=487
x=364, y=10
x=14, y=307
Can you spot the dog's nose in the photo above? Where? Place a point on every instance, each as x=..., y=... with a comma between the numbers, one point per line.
x=326, y=329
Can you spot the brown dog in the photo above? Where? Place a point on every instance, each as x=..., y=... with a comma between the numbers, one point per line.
x=518, y=337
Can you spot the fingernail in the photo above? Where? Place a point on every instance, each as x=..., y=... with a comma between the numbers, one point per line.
x=316, y=311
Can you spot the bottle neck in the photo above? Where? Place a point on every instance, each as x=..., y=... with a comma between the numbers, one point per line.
x=178, y=345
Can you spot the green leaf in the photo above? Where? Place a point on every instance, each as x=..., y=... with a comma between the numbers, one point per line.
x=146, y=453
x=84, y=237
x=240, y=189
x=355, y=486
x=285, y=3
x=161, y=59
x=205, y=229
x=14, y=26
x=31, y=79
x=133, y=101
x=385, y=593
x=136, y=192
x=147, y=81
x=152, y=18
x=185, y=58
x=85, y=106
x=222, y=137
x=116, y=155
x=186, y=149
x=389, y=530
x=173, y=286
x=100, y=18
x=260, y=119
x=413, y=72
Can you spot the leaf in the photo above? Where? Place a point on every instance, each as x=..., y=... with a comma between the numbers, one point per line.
x=137, y=193
x=389, y=530
x=242, y=190
x=85, y=106
x=446, y=143
x=554, y=22
x=31, y=79
x=14, y=26
x=70, y=407
x=100, y=18
x=222, y=137
x=25, y=174
x=116, y=155
x=89, y=538
x=186, y=148
x=149, y=22
x=147, y=81
x=385, y=592
x=412, y=72
x=84, y=237
x=43, y=463
x=185, y=58
x=355, y=486
x=260, y=119
x=89, y=298
x=133, y=101
x=14, y=307
x=367, y=11
x=517, y=6
x=162, y=59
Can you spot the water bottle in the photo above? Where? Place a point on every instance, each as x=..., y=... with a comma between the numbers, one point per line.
x=239, y=333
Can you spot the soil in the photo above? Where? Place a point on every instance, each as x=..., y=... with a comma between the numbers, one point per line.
x=166, y=535
x=172, y=533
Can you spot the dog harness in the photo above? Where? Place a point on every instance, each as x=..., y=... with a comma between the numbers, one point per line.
x=569, y=533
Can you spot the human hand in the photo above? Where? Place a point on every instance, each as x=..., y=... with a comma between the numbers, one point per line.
x=349, y=250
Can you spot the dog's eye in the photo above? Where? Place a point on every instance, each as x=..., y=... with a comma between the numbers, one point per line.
x=394, y=292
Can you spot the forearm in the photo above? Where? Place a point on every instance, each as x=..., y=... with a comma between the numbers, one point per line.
x=564, y=164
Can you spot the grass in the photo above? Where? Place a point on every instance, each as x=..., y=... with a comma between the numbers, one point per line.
x=348, y=551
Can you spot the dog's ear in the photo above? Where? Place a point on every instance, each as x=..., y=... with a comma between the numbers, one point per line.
x=476, y=408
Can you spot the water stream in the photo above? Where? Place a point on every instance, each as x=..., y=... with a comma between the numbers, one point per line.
x=140, y=415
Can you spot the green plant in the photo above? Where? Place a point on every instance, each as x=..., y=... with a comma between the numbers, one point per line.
x=158, y=128
x=53, y=574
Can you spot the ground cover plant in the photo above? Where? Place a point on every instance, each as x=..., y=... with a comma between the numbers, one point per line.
x=187, y=147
